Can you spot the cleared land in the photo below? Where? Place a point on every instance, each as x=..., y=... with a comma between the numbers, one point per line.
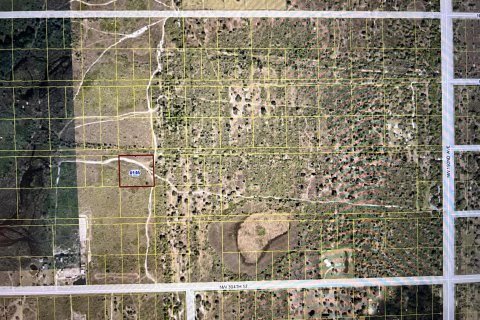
x=256, y=232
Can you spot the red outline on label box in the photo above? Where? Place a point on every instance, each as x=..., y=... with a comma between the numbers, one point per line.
x=136, y=155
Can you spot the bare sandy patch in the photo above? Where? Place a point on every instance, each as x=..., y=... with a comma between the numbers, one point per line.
x=268, y=221
x=256, y=232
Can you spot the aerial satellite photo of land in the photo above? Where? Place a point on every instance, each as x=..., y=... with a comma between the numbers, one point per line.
x=239, y=159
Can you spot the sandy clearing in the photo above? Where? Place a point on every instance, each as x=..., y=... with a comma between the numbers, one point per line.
x=256, y=232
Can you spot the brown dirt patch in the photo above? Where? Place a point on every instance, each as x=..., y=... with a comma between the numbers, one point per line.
x=223, y=237
x=256, y=232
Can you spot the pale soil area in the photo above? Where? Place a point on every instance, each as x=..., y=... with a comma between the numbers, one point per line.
x=256, y=232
